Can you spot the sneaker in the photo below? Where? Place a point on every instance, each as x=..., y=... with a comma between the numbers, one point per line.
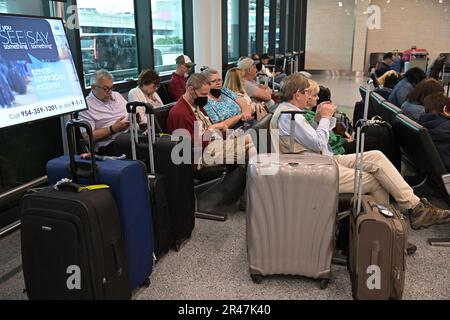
x=425, y=215
x=411, y=248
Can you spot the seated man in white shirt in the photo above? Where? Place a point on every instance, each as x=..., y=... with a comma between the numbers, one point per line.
x=380, y=178
x=106, y=114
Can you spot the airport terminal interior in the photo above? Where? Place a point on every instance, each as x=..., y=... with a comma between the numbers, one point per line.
x=347, y=47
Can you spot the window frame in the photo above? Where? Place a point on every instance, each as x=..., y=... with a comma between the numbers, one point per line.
x=273, y=26
x=74, y=39
x=188, y=33
x=292, y=28
x=259, y=27
x=144, y=41
x=225, y=59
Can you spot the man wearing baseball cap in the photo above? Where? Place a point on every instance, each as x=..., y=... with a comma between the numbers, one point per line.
x=177, y=85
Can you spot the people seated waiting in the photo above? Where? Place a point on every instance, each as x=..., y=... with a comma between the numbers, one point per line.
x=380, y=178
x=324, y=95
x=106, y=113
x=336, y=141
x=223, y=104
x=385, y=65
x=406, y=85
x=437, y=121
x=414, y=107
x=397, y=66
x=256, y=57
x=274, y=74
x=148, y=84
x=259, y=93
x=188, y=114
x=234, y=82
x=177, y=84
x=109, y=119
x=340, y=140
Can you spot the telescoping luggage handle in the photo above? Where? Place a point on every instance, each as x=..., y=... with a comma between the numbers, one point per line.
x=150, y=115
x=292, y=129
x=360, y=145
x=71, y=126
x=274, y=69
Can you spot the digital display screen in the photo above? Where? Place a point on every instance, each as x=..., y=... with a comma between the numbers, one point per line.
x=38, y=78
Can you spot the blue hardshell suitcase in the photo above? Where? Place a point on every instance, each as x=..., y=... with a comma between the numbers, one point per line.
x=129, y=185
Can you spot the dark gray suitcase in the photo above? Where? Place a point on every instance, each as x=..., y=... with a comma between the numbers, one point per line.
x=171, y=186
x=72, y=246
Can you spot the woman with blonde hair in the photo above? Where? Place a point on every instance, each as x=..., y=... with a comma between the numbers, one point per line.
x=387, y=75
x=234, y=81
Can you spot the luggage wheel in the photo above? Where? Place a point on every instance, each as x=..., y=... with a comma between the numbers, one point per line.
x=178, y=246
x=256, y=278
x=324, y=283
x=146, y=283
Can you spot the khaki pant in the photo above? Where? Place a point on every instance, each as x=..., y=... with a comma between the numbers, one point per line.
x=380, y=179
x=229, y=151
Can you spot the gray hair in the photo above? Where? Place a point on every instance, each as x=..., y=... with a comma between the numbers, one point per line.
x=196, y=81
x=208, y=72
x=100, y=74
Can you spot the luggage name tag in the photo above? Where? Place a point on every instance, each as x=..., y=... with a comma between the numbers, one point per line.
x=68, y=185
x=383, y=210
x=93, y=187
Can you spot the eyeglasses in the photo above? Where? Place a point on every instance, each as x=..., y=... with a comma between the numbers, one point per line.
x=106, y=89
x=305, y=91
x=216, y=81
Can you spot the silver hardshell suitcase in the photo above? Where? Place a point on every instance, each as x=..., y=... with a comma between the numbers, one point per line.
x=291, y=215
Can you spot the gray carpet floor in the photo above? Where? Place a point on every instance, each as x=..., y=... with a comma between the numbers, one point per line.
x=213, y=265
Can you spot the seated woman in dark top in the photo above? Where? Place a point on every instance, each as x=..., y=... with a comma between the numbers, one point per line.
x=406, y=85
x=437, y=121
x=414, y=106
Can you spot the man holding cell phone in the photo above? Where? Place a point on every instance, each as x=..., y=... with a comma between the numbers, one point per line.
x=106, y=114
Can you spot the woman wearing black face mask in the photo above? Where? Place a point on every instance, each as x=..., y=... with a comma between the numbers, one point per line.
x=223, y=104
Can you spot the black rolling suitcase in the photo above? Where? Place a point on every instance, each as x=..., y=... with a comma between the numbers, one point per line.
x=162, y=231
x=177, y=180
x=161, y=216
x=72, y=245
x=180, y=195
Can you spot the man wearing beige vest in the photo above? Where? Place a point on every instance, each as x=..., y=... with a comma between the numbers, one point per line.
x=380, y=177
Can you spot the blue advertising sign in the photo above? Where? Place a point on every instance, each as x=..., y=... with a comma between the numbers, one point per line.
x=20, y=38
x=38, y=78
